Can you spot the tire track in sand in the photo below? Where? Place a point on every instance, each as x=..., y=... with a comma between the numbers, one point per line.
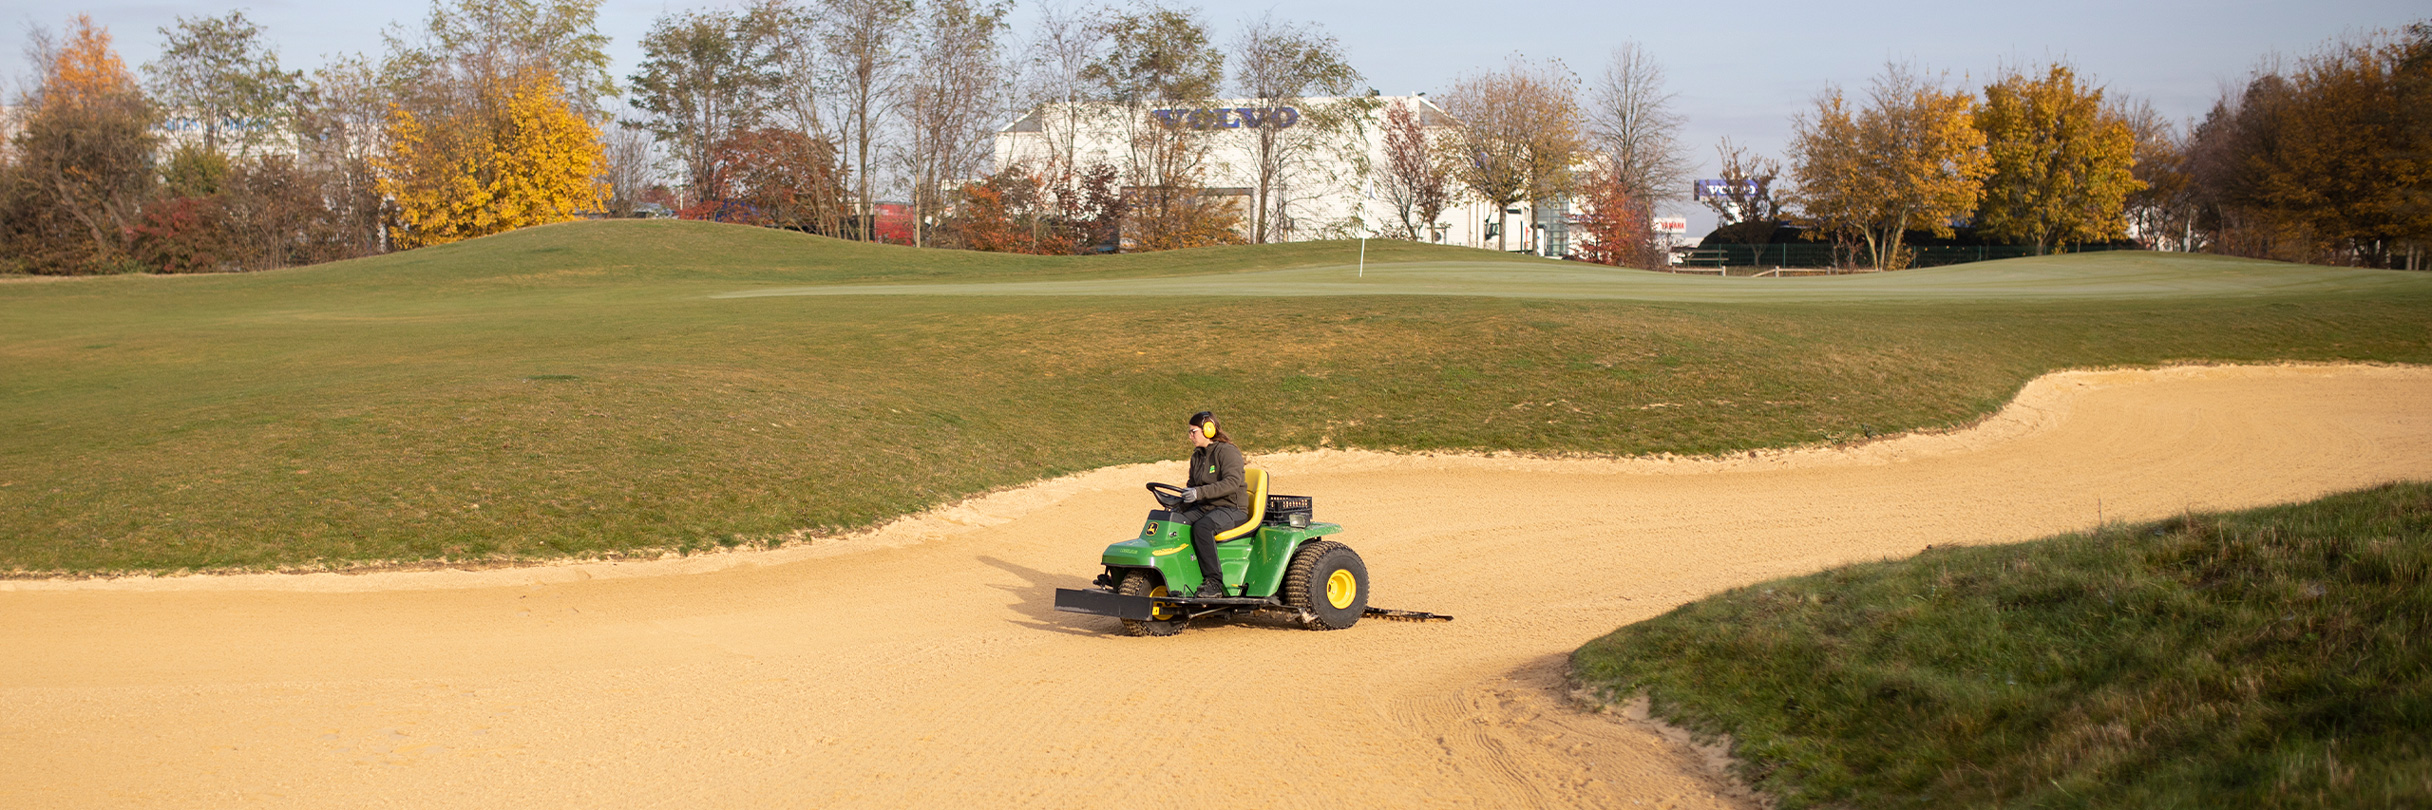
x=921, y=665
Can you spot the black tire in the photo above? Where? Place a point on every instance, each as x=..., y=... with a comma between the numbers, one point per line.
x=1143, y=583
x=1328, y=584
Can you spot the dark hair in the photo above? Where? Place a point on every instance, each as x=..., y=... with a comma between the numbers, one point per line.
x=1204, y=417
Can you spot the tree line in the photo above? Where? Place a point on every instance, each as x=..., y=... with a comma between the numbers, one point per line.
x=490, y=115
x=482, y=120
x=2329, y=161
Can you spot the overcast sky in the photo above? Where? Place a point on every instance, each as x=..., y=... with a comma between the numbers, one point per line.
x=1740, y=69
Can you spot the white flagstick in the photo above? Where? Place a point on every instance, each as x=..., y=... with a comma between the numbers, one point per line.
x=1362, y=213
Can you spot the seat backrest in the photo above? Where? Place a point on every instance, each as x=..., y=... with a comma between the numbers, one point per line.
x=1256, y=480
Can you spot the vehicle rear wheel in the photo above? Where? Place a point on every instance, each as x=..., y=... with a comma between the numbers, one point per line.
x=1143, y=583
x=1329, y=585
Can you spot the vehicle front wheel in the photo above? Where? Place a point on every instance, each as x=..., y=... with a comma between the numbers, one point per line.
x=1142, y=583
x=1329, y=585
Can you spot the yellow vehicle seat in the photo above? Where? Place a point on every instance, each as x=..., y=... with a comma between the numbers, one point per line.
x=1256, y=480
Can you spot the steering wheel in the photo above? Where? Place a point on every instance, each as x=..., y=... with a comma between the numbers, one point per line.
x=1167, y=495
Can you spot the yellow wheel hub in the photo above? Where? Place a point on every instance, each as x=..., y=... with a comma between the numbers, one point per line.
x=1161, y=612
x=1341, y=586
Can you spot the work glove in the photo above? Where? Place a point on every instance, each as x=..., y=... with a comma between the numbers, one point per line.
x=1190, y=495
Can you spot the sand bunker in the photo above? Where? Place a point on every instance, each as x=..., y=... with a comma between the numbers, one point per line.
x=921, y=664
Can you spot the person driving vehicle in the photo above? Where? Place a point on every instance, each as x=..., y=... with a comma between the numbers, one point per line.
x=1215, y=497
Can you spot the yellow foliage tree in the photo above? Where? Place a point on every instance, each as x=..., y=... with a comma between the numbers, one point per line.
x=2062, y=163
x=1912, y=159
x=518, y=155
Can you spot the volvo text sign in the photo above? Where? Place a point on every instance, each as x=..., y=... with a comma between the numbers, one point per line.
x=1228, y=118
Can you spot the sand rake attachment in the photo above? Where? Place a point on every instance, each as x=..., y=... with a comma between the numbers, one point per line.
x=1406, y=615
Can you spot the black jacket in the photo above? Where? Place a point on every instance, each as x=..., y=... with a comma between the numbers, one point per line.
x=1216, y=471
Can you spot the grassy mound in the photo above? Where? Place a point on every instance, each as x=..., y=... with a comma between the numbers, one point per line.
x=584, y=389
x=675, y=250
x=2270, y=658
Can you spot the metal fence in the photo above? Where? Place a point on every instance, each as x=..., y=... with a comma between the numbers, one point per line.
x=1826, y=254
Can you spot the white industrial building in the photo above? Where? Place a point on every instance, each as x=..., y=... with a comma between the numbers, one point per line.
x=1330, y=187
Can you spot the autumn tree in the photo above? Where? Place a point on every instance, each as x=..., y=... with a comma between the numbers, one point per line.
x=782, y=178
x=1064, y=43
x=951, y=99
x=467, y=45
x=2162, y=212
x=1013, y=211
x=2061, y=161
x=1631, y=122
x=1160, y=58
x=2327, y=163
x=1280, y=65
x=1000, y=214
x=275, y=215
x=341, y=124
x=82, y=164
x=183, y=234
x=862, y=42
x=257, y=213
x=2219, y=148
x=258, y=178
x=493, y=121
x=1619, y=224
x=1097, y=208
x=705, y=77
x=216, y=77
x=1416, y=180
x=627, y=160
x=519, y=154
x=1519, y=134
x=1912, y=158
x=799, y=101
x=2412, y=77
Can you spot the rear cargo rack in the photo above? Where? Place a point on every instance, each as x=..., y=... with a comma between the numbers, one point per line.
x=1294, y=510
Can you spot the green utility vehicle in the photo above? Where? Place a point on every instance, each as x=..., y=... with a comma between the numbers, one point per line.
x=1273, y=562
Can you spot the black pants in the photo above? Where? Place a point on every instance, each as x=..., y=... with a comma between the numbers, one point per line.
x=1206, y=522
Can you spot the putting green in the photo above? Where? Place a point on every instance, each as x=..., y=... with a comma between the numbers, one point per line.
x=2095, y=276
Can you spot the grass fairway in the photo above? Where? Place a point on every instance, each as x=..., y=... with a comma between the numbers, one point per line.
x=2271, y=658
x=604, y=387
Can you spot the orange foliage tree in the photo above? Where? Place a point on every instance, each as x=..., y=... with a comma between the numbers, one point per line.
x=1620, y=224
x=998, y=215
x=2331, y=162
x=83, y=163
x=1011, y=212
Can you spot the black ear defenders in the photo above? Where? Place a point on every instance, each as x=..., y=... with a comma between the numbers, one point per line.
x=1206, y=420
